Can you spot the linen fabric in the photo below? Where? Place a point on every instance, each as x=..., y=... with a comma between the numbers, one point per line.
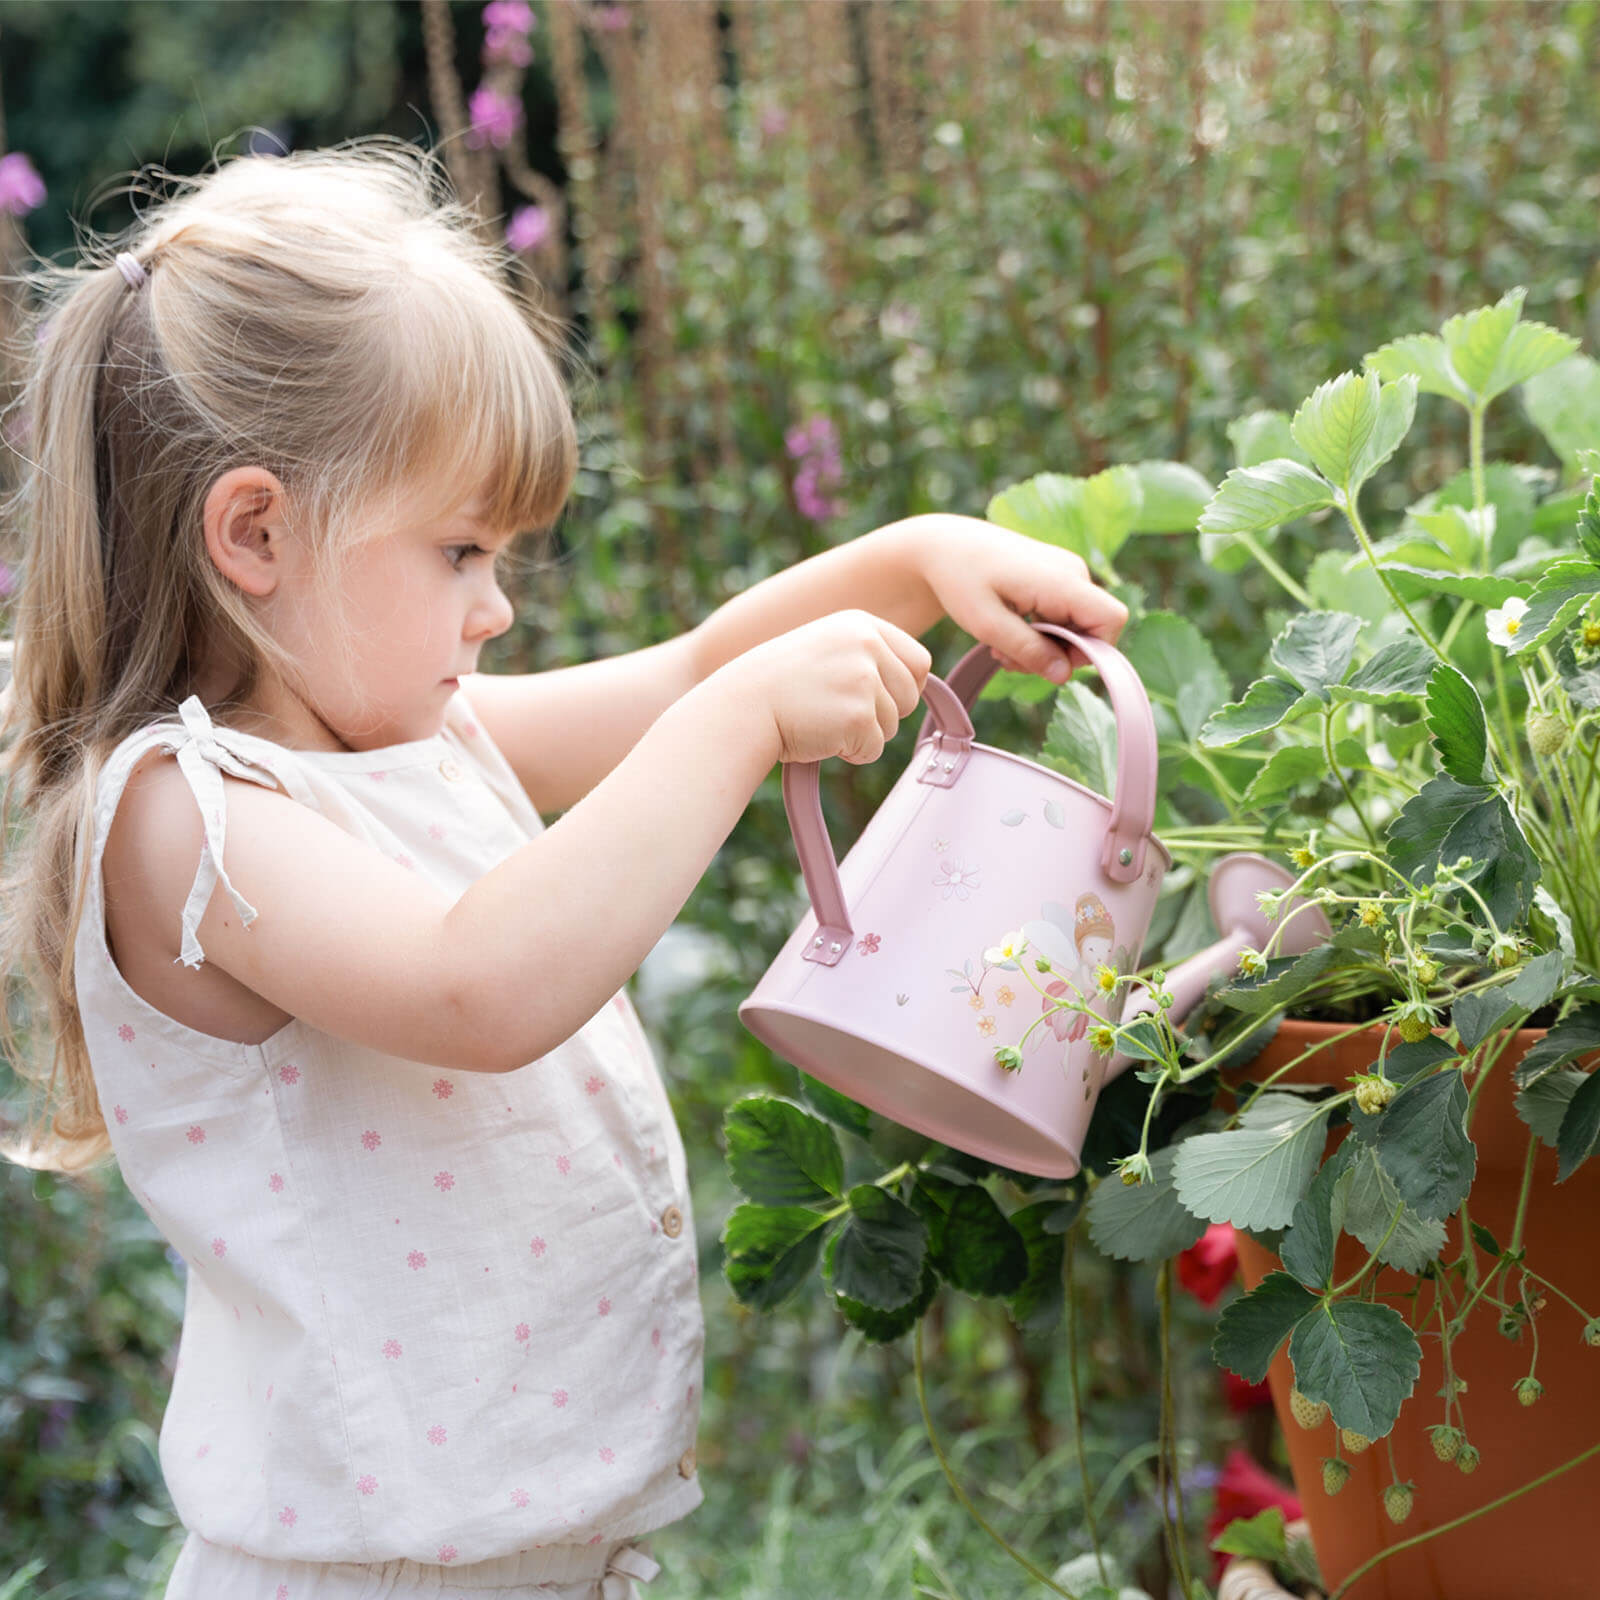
x=433, y=1316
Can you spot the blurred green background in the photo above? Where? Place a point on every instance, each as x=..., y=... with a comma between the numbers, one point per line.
x=980, y=240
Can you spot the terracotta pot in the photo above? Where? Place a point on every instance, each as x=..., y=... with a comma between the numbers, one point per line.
x=1542, y=1543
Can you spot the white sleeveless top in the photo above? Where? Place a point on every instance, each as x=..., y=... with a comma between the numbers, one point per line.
x=435, y=1315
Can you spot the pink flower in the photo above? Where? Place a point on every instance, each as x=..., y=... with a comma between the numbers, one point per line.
x=366, y=1484
x=537, y=1246
x=392, y=1350
x=607, y=1454
x=528, y=228
x=372, y=1138
x=815, y=444
x=196, y=1134
x=287, y=1517
x=21, y=187
x=282, y=1592
x=289, y=1074
x=470, y=729
x=605, y=1306
x=121, y=1113
x=416, y=1260
x=405, y=861
x=563, y=1165
x=495, y=117
x=594, y=1085
x=522, y=1333
x=125, y=1034
x=447, y=1552
x=560, y=1398
x=868, y=943
x=436, y=1434
x=435, y=831
x=444, y=1180
x=219, y=1248
x=519, y=1498
x=443, y=1088
x=275, y=1183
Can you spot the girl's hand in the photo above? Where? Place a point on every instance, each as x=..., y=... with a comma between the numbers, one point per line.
x=988, y=579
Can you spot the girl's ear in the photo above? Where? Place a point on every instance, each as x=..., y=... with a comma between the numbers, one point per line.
x=244, y=528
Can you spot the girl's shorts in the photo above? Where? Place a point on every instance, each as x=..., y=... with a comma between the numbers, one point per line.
x=207, y=1571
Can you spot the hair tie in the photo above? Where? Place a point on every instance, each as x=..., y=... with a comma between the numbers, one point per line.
x=130, y=269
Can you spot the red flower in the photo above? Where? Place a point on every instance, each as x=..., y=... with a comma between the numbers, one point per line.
x=1208, y=1266
x=1245, y=1490
x=1242, y=1395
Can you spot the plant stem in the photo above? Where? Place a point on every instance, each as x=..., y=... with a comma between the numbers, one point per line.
x=1353, y=517
x=1071, y=1284
x=959, y=1492
x=1176, y=1534
x=1301, y=598
x=1451, y=1526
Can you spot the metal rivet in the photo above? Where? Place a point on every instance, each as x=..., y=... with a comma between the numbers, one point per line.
x=933, y=761
x=836, y=948
x=817, y=940
x=1125, y=856
x=949, y=766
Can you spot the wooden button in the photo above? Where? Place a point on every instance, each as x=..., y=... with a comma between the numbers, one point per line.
x=672, y=1222
x=449, y=771
x=686, y=1463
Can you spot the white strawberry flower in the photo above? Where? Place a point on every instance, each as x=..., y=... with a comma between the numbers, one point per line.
x=1504, y=621
x=1007, y=951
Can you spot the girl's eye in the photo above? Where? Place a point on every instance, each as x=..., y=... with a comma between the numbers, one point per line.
x=454, y=553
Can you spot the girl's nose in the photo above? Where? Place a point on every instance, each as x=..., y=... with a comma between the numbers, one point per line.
x=492, y=616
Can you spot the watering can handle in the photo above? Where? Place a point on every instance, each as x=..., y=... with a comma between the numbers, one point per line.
x=949, y=726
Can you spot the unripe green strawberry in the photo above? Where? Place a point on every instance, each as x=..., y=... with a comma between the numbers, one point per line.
x=1335, y=1474
x=1591, y=1333
x=1467, y=1459
x=1528, y=1390
x=1397, y=1501
x=1308, y=1413
x=1547, y=733
x=1354, y=1442
x=1426, y=969
x=1414, y=1028
x=1373, y=1093
x=1447, y=1441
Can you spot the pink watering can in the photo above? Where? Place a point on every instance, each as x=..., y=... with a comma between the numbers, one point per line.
x=896, y=989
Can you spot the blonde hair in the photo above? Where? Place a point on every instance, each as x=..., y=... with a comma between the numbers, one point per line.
x=336, y=316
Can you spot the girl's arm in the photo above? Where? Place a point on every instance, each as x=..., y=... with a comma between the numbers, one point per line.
x=358, y=946
x=561, y=731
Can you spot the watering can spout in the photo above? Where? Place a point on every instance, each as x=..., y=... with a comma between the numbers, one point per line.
x=1236, y=880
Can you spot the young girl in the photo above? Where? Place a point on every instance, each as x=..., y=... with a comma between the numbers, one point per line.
x=385, y=1093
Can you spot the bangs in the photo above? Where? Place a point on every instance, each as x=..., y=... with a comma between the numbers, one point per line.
x=477, y=406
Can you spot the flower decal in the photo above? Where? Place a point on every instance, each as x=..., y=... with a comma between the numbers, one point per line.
x=868, y=943
x=956, y=879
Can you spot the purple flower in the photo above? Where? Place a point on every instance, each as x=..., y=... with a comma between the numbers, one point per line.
x=507, y=24
x=512, y=15
x=495, y=117
x=528, y=228
x=501, y=47
x=815, y=445
x=21, y=188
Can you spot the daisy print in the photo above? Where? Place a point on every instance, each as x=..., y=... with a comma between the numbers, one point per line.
x=955, y=878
